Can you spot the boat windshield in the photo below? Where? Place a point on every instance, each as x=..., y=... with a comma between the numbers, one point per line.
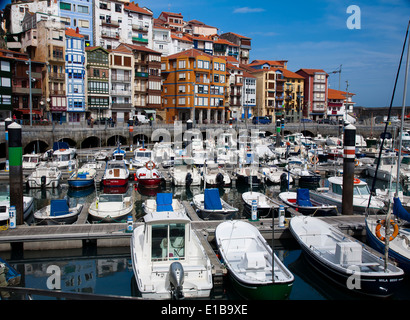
x=168, y=242
x=61, y=157
x=110, y=198
x=361, y=190
x=143, y=155
x=30, y=159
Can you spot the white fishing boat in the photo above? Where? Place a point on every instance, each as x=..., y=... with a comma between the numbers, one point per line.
x=209, y=205
x=249, y=175
x=149, y=176
x=162, y=200
x=265, y=206
x=58, y=212
x=185, y=175
x=44, y=176
x=387, y=169
x=215, y=176
x=31, y=160
x=333, y=195
x=141, y=157
x=116, y=174
x=164, y=154
x=256, y=272
x=339, y=258
x=168, y=259
x=28, y=205
x=111, y=207
x=274, y=174
x=101, y=155
x=64, y=157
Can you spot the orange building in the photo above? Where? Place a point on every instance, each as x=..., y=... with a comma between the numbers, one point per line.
x=194, y=83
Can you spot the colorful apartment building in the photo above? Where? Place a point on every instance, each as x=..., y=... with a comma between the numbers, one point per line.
x=339, y=103
x=194, y=85
x=78, y=14
x=315, y=93
x=97, y=83
x=243, y=42
x=75, y=75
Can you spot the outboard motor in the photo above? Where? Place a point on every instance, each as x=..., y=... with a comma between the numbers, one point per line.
x=283, y=182
x=176, y=279
x=219, y=179
x=43, y=180
x=188, y=179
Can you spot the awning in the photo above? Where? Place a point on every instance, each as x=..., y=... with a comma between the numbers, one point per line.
x=27, y=111
x=150, y=111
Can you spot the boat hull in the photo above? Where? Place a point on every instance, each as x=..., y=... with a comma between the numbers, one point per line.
x=272, y=291
x=80, y=183
x=378, y=286
x=115, y=182
x=149, y=183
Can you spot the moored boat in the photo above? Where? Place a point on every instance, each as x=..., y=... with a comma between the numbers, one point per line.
x=256, y=272
x=168, y=259
x=58, y=212
x=209, y=205
x=149, y=176
x=109, y=207
x=116, y=174
x=339, y=258
x=82, y=178
x=265, y=206
x=301, y=201
x=44, y=176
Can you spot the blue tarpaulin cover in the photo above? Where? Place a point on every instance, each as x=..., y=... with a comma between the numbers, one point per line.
x=212, y=200
x=58, y=208
x=60, y=145
x=164, y=202
x=399, y=211
x=303, y=198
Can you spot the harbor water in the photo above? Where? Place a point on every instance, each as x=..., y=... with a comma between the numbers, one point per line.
x=109, y=271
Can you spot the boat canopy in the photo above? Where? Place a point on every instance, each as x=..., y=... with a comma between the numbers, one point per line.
x=212, y=200
x=303, y=198
x=399, y=211
x=164, y=202
x=60, y=145
x=58, y=207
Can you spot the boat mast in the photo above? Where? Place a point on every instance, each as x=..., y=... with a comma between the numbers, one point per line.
x=387, y=226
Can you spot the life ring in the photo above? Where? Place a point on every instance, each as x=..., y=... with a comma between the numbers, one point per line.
x=356, y=162
x=314, y=160
x=383, y=223
x=150, y=167
x=356, y=181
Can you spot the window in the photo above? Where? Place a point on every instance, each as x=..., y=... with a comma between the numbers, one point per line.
x=82, y=9
x=5, y=66
x=118, y=7
x=200, y=64
x=5, y=82
x=206, y=64
x=83, y=23
x=222, y=66
x=65, y=6
x=181, y=64
x=216, y=77
x=216, y=65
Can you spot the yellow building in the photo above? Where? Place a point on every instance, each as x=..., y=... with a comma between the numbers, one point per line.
x=194, y=83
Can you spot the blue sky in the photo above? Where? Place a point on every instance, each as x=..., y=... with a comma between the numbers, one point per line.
x=314, y=34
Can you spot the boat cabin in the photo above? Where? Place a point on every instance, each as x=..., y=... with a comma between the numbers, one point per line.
x=359, y=187
x=166, y=236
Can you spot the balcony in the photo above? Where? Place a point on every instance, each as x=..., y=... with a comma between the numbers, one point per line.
x=136, y=27
x=110, y=35
x=121, y=106
x=19, y=90
x=141, y=74
x=120, y=78
x=56, y=76
x=57, y=58
x=120, y=92
x=140, y=40
x=57, y=92
x=111, y=24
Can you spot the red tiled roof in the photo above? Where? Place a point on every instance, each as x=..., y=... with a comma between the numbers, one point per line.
x=189, y=53
x=223, y=41
x=73, y=33
x=337, y=94
x=239, y=36
x=312, y=71
x=138, y=48
x=131, y=6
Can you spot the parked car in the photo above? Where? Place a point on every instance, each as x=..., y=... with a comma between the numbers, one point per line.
x=262, y=120
x=306, y=120
x=141, y=119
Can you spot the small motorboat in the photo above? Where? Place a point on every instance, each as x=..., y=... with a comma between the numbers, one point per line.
x=265, y=206
x=28, y=206
x=64, y=157
x=168, y=259
x=300, y=201
x=111, y=207
x=215, y=176
x=339, y=258
x=256, y=272
x=44, y=176
x=209, y=205
x=31, y=160
x=149, y=176
x=58, y=212
x=82, y=177
x=162, y=202
x=116, y=174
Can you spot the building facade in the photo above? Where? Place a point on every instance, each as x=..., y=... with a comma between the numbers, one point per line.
x=315, y=93
x=75, y=75
x=244, y=44
x=194, y=85
x=98, y=83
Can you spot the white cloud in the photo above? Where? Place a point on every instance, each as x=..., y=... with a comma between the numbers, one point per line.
x=248, y=10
